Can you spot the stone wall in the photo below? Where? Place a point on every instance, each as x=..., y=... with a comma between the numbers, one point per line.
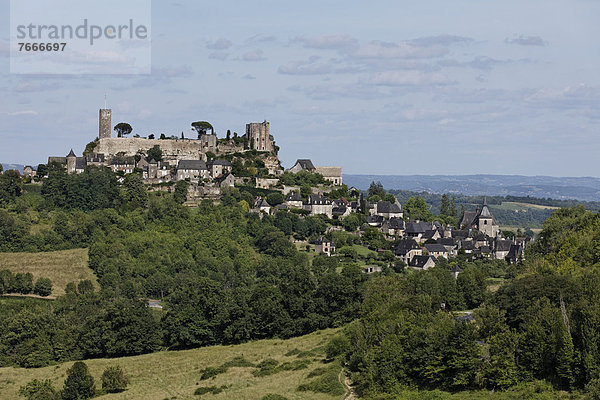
x=177, y=149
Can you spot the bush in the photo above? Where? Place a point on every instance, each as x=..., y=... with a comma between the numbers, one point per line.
x=114, y=379
x=337, y=346
x=211, y=372
x=79, y=384
x=43, y=287
x=272, y=396
x=23, y=283
x=209, y=389
x=39, y=390
x=326, y=383
x=275, y=198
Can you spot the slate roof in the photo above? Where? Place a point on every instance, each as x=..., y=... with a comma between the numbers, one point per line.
x=421, y=261
x=396, y=223
x=122, y=160
x=375, y=219
x=456, y=268
x=293, y=196
x=192, y=165
x=219, y=162
x=385, y=207
x=436, y=248
x=305, y=164
x=322, y=240
x=405, y=246
x=467, y=245
x=446, y=241
x=317, y=199
x=429, y=234
x=417, y=227
x=503, y=245
x=71, y=154
x=80, y=163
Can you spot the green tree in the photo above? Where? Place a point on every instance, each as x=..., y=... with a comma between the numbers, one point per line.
x=181, y=191
x=79, y=384
x=39, y=390
x=11, y=186
x=275, y=198
x=85, y=286
x=114, y=379
x=445, y=206
x=135, y=195
x=123, y=129
x=202, y=127
x=43, y=287
x=23, y=283
x=376, y=189
x=155, y=153
x=417, y=208
x=42, y=170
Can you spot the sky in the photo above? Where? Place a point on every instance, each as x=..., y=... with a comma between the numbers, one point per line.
x=378, y=87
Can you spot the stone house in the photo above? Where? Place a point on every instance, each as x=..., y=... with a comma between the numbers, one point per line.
x=341, y=208
x=218, y=167
x=387, y=209
x=407, y=249
x=393, y=228
x=371, y=269
x=194, y=170
x=123, y=164
x=319, y=204
x=293, y=200
x=324, y=245
x=437, y=250
x=502, y=248
x=225, y=181
x=422, y=262
x=331, y=174
x=261, y=205
x=28, y=171
x=302, y=165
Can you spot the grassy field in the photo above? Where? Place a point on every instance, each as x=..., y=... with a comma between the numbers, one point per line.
x=61, y=267
x=511, y=205
x=177, y=374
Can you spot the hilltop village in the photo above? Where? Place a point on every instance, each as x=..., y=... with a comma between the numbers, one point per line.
x=209, y=166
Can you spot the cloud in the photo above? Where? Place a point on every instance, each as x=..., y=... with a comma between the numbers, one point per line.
x=408, y=78
x=182, y=71
x=569, y=97
x=218, y=56
x=19, y=113
x=249, y=77
x=523, y=40
x=261, y=39
x=219, y=44
x=328, y=42
x=440, y=40
x=309, y=67
x=386, y=50
x=254, y=55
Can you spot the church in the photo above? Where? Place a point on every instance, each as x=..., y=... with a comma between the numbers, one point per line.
x=481, y=219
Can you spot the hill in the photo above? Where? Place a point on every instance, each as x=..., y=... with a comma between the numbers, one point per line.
x=584, y=188
x=178, y=374
x=61, y=267
x=18, y=167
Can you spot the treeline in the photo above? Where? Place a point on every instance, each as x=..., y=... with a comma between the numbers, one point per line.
x=22, y=283
x=542, y=325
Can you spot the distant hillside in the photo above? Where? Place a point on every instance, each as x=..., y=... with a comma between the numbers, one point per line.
x=18, y=167
x=585, y=188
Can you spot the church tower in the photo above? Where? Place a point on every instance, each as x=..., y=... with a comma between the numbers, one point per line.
x=105, y=123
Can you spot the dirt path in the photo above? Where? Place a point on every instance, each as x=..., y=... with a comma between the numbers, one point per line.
x=345, y=381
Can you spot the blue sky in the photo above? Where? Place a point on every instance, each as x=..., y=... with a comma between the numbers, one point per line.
x=379, y=87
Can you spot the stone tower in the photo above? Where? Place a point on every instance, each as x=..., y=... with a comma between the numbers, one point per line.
x=105, y=123
x=258, y=136
x=486, y=223
x=71, y=162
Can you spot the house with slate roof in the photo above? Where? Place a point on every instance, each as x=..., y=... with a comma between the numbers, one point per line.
x=407, y=249
x=422, y=262
x=319, y=204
